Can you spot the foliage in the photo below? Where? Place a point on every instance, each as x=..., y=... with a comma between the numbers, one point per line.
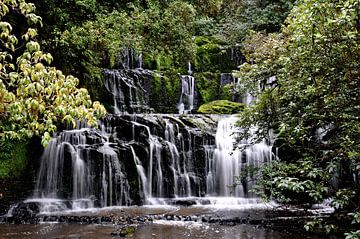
x=353, y=235
x=313, y=105
x=35, y=97
x=162, y=37
x=88, y=35
x=165, y=92
x=209, y=8
x=227, y=92
x=240, y=16
x=319, y=224
x=221, y=107
x=208, y=85
x=150, y=31
x=213, y=55
x=13, y=158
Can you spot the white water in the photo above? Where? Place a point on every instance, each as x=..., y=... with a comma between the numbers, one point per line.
x=128, y=95
x=56, y=170
x=166, y=175
x=224, y=163
x=186, y=102
x=229, y=161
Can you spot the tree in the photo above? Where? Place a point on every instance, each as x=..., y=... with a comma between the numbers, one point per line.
x=239, y=16
x=313, y=105
x=35, y=97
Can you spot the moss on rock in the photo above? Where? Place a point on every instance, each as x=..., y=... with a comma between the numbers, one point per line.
x=165, y=92
x=13, y=158
x=221, y=107
x=208, y=85
x=213, y=55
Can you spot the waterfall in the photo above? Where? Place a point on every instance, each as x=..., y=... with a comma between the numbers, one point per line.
x=140, y=61
x=76, y=175
x=186, y=103
x=180, y=159
x=129, y=59
x=125, y=87
x=148, y=159
x=245, y=98
x=228, y=161
x=189, y=69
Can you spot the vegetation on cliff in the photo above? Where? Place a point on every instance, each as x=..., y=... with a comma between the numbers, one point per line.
x=221, y=107
x=313, y=104
x=87, y=36
x=311, y=101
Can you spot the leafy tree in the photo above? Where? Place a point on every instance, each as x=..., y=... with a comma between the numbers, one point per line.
x=313, y=105
x=34, y=97
x=239, y=16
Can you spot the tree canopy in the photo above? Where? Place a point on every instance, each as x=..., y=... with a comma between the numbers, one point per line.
x=35, y=97
x=305, y=73
x=313, y=105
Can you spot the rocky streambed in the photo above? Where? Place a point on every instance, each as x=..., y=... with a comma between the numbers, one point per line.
x=265, y=221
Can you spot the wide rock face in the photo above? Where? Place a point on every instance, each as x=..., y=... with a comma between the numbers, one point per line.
x=130, y=160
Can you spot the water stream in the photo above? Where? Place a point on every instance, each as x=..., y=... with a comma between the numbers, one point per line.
x=174, y=174
x=147, y=160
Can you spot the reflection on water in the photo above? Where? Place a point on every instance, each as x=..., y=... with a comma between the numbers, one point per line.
x=156, y=230
x=169, y=222
x=167, y=230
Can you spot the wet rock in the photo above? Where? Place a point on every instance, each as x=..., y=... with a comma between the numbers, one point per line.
x=185, y=202
x=62, y=219
x=106, y=219
x=214, y=220
x=170, y=217
x=85, y=220
x=24, y=212
x=255, y=221
x=205, y=218
x=50, y=219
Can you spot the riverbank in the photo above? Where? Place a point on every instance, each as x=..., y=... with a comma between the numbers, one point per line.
x=198, y=221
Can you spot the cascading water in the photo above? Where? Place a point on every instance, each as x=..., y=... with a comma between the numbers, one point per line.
x=125, y=87
x=147, y=159
x=245, y=98
x=229, y=161
x=129, y=59
x=186, y=102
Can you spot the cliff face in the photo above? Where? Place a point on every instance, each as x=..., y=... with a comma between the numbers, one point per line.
x=132, y=159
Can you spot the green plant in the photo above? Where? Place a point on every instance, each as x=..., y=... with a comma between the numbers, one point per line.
x=34, y=96
x=312, y=104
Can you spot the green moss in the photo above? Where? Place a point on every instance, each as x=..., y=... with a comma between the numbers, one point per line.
x=207, y=84
x=165, y=92
x=221, y=107
x=13, y=158
x=211, y=56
